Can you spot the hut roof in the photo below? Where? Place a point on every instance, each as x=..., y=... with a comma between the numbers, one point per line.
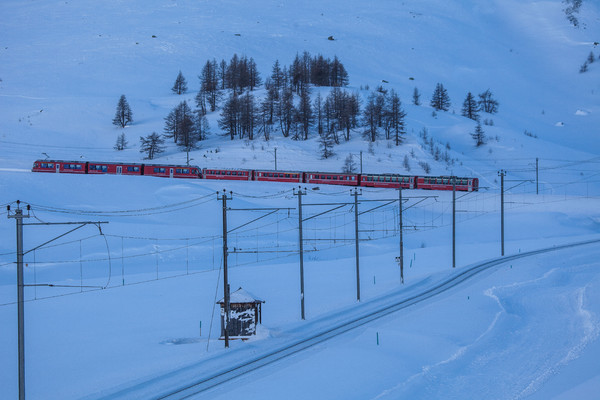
x=241, y=296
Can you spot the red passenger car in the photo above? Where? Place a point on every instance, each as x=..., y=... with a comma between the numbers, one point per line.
x=65, y=167
x=278, y=176
x=171, y=171
x=445, y=183
x=388, y=181
x=228, y=174
x=332, y=178
x=114, y=168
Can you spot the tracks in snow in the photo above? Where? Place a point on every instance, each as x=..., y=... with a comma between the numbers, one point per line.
x=376, y=309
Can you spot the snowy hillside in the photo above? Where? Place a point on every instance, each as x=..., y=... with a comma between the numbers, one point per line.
x=127, y=295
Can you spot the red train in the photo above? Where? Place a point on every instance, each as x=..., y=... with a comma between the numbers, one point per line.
x=91, y=167
x=327, y=178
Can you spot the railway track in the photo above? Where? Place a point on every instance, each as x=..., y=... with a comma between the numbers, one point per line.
x=375, y=311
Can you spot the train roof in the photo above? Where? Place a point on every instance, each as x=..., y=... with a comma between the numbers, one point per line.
x=388, y=174
x=278, y=171
x=332, y=173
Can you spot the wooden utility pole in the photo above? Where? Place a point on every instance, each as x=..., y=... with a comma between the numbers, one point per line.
x=356, y=194
x=401, y=237
x=300, y=193
x=224, y=199
x=502, y=173
x=453, y=222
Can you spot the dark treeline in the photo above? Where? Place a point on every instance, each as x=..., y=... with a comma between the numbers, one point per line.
x=293, y=105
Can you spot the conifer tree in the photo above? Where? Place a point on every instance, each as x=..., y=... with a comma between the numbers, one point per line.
x=591, y=58
x=478, y=135
x=151, y=145
x=416, y=97
x=440, y=99
x=470, y=107
x=326, y=143
x=123, y=115
x=121, y=143
x=349, y=165
x=180, y=85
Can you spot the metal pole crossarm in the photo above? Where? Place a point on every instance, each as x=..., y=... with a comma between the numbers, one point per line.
x=261, y=209
x=254, y=220
x=375, y=208
x=82, y=224
x=68, y=223
x=324, y=212
x=326, y=204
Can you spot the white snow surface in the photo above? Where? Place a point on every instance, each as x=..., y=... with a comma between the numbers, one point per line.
x=135, y=300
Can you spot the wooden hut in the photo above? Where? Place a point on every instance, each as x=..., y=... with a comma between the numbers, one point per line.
x=244, y=314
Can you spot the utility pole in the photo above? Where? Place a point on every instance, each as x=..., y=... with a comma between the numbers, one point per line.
x=356, y=194
x=275, y=158
x=537, y=191
x=401, y=242
x=361, y=162
x=453, y=222
x=224, y=198
x=501, y=173
x=18, y=216
x=300, y=193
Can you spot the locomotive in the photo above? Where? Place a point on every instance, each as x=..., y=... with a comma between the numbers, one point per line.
x=315, y=177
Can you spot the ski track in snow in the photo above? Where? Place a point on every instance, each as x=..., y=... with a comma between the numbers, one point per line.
x=591, y=329
x=585, y=318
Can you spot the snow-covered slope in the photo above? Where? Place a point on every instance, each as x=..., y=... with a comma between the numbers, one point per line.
x=63, y=67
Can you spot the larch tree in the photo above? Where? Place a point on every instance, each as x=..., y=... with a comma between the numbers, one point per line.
x=121, y=143
x=180, y=85
x=478, y=135
x=209, y=84
x=326, y=143
x=151, y=145
x=416, y=97
x=440, y=99
x=470, y=107
x=123, y=115
x=487, y=103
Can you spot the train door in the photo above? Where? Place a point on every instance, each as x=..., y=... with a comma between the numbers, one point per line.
x=170, y=172
x=119, y=169
x=57, y=167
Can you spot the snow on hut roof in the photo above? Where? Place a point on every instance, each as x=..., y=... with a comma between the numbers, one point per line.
x=241, y=296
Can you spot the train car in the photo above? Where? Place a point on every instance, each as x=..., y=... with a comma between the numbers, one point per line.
x=95, y=168
x=278, y=176
x=171, y=171
x=388, y=181
x=227, y=174
x=57, y=166
x=445, y=183
x=332, y=178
